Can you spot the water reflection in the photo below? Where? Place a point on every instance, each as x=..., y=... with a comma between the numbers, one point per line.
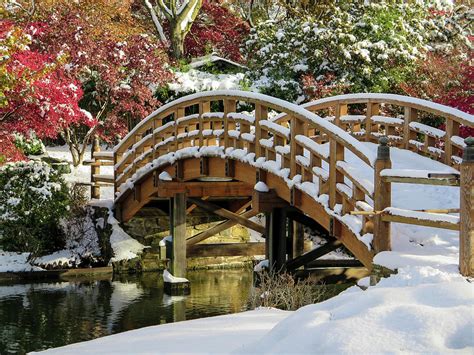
x=37, y=316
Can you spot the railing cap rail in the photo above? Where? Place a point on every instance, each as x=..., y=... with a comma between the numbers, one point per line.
x=395, y=99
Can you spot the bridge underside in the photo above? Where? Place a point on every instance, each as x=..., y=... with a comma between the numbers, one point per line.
x=225, y=187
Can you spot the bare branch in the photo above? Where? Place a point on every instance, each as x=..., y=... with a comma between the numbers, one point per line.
x=157, y=23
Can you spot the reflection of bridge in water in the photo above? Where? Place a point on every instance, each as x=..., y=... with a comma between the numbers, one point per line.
x=321, y=171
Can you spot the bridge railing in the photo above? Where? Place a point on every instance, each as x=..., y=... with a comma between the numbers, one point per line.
x=369, y=116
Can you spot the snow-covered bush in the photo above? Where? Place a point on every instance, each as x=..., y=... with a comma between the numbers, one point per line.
x=33, y=199
x=29, y=146
x=360, y=48
x=193, y=80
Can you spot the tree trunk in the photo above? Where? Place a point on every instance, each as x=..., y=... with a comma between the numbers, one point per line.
x=177, y=40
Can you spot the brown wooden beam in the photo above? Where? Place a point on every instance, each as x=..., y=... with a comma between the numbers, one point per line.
x=313, y=254
x=220, y=211
x=200, y=189
x=267, y=201
x=193, y=206
x=225, y=249
x=217, y=229
x=344, y=263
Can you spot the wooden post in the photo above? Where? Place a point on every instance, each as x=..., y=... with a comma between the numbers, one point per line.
x=95, y=168
x=261, y=113
x=229, y=106
x=297, y=128
x=178, y=232
x=452, y=129
x=372, y=110
x=276, y=239
x=336, y=153
x=298, y=239
x=382, y=197
x=411, y=115
x=466, y=234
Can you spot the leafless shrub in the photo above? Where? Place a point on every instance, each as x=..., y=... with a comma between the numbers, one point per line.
x=281, y=290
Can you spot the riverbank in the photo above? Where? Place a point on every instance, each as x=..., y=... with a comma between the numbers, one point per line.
x=46, y=275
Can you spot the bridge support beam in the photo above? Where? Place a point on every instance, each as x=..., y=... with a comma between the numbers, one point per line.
x=178, y=232
x=276, y=239
x=297, y=239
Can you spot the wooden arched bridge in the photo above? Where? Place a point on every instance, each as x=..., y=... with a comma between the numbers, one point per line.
x=312, y=165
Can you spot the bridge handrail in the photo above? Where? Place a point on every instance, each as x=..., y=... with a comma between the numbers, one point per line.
x=270, y=102
x=445, y=146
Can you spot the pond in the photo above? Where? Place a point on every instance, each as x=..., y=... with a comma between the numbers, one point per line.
x=36, y=316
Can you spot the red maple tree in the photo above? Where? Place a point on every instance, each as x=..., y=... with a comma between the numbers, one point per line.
x=40, y=97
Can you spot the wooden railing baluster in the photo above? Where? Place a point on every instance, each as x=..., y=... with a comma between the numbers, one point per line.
x=296, y=128
x=261, y=113
x=336, y=153
x=411, y=115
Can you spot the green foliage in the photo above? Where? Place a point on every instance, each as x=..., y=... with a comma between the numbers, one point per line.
x=33, y=199
x=29, y=146
x=363, y=48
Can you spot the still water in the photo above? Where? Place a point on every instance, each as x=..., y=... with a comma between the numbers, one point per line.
x=35, y=316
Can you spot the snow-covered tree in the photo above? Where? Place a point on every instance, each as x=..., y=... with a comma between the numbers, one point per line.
x=371, y=47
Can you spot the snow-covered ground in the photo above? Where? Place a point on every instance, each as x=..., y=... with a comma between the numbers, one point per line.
x=427, y=307
x=81, y=173
x=216, y=335
x=123, y=245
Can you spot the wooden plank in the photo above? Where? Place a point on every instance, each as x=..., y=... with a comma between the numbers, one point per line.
x=210, y=207
x=420, y=222
x=225, y=249
x=101, y=155
x=295, y=263
x=327, y=263
x=207, y=188
x=217, y=229
x=266, y=201
x=421, y=181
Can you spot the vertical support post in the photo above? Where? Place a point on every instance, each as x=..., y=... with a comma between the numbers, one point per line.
x=466, y=233
x=204, y=107
x=95, y=168
x=296, y=128
x=277, y=239
x=261, y=113
x=178, y=232
x=411, y=115
x=336, y=153
x=229, y=106
x=452, y=129
x=372, y=110
x=298, y=239
x=382, y=197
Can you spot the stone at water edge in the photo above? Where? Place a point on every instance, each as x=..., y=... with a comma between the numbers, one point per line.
x=177, y=288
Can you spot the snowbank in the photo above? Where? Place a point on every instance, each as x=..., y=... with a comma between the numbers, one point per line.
x=419, y=310
x=216, y=335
